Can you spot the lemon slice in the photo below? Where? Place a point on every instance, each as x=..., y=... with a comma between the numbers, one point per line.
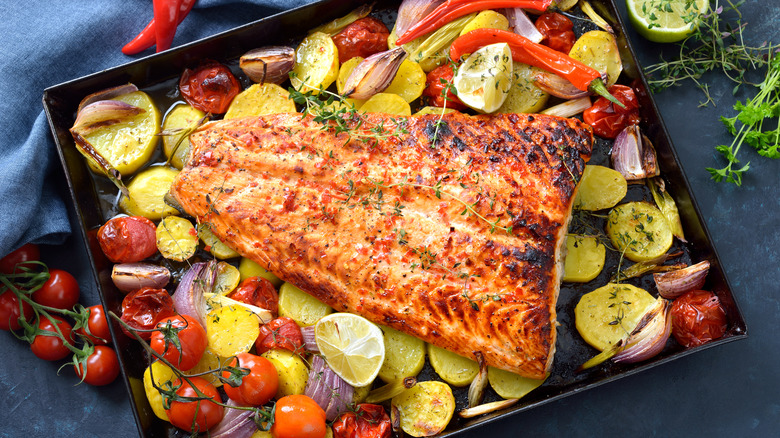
x=483, y=80
x=665, y=21
x=352, y=345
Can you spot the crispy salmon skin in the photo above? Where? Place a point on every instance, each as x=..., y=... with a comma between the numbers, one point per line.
x=447, y=228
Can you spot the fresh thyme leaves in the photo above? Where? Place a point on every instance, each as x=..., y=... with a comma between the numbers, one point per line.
x=749, y=126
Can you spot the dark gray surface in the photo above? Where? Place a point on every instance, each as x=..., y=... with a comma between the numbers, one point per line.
x=730, y=390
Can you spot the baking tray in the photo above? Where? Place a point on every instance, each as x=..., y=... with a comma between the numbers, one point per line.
x=94, y=199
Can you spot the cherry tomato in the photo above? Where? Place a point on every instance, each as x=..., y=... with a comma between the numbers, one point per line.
x=259, y=292
x=60, y=291
x=298, y=416
x=608, y=119
x=128, y=239
x=210, y=87
x=143, y=308
x=282, y=332
x=196, y=415
x=98, y=326
x=363, y=38
x=257, y=387
x=102, y=367
x=9, y=311
x=697, y=318
x=26, y=253
x=51, y=347
x=437, y=80
x=557, y=31
x=367, y=421
x=191, y=337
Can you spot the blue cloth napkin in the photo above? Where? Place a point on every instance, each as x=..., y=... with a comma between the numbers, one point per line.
x=44, y=43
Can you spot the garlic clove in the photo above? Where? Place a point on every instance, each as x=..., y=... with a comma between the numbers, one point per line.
x=558, y=86
x=270, y=64
x=374, y=74
x=629, y=156
x=132, y=276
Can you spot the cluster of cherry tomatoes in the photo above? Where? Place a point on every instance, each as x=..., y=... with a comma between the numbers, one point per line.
x=51, y=304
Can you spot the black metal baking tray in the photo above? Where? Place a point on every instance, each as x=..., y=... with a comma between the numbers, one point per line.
x=157, y=74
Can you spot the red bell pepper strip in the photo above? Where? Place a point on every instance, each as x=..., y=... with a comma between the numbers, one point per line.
x=148, y=37
x=528, y=52
x=452, y=9
x=165, y=17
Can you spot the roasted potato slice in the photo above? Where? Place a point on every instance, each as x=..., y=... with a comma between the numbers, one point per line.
x=345, y=70
x=409, y=82
x=147, y=193
x=249, y=268
x=488, y=19
x=600, y=188
x=424, y=409
x=585, y=257
x=300, y=306
x=231, y=330
x=316, y=63
x=214, y=245
x=404, y=355
x=609, y=313
x=176, y=238
x=180, y=119
x=259, y=100
x=599, y=50
x=452, y=368
x=293, y=372
x=161, y=374
x=511, y=385
x=639, y=230
x=523, y=96
x=433, y=110
x=387, y=103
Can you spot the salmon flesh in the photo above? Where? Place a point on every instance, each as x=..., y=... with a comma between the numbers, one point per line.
x=449, y=228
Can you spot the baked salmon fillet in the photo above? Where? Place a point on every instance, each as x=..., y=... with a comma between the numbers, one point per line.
x=450, y=229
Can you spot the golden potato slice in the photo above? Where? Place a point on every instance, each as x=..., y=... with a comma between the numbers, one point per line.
x=147, y=193
x=361, y=392
x=130, y=144
x=345, y=70
x=600, y=188
x=293, y=372
x=181, y=117
x=249, y=268
x=639, y=230
x=388, y=104
x=511, y=385
x=487, y=19
x=231, y=330
x=227, y=280
x=452, y=368
x=300, y=306
x=316, y=63
x=565, y=5
x=404, y=355
x=425, y=409
x=259, y=100
x=409, y=82
x=523, y=96
x=433, y=110
x=161, y=373
x=208, y=362
x=214, y=245
x=176, y=238
x=609, y=313
x=599, y=50
x=585, y=257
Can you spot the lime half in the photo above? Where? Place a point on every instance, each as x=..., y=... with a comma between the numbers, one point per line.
x=665, y=21
x=483, y=80
x=352, y=345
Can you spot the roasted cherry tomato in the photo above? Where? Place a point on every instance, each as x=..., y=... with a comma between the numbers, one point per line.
x=437, y=80
x=97, y=325
x=9, y=311
x=210, y=87
x=102, y=367
x=51, y=347
x=282, y=332
x=60, y=291
x=128, y=239
x=298, y=416
x=191, y=337
x=697, y=318
x=557, y=31
x=367, y=421
x=143, y=308
x=257, y=387
x=259, y=292
x=608, y=119
x=363, y=38
x=25, y=253
x=197, y=415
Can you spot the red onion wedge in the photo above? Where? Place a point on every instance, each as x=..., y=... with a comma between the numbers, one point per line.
x=103, y=113
x=672, y=284
x=107, y=94
x=330, y=391
x=237, y=423
x=633, y=155
x=270, y=64
x=309, y=339
x=520, y=24
x=132, y=276
x=188, y=298
x=412, y=11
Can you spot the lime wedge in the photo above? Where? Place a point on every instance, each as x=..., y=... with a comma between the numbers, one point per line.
x=483, y=80
x=665, y=21
x=352, y=346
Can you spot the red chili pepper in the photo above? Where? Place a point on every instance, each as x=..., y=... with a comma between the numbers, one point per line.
x=165, y=12
x=148, y=37
x=608, y=120
x=452, y=9
x=528, y=52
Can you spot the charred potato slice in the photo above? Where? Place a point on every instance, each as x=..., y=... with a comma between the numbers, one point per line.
x=424, y=409
x=404, y=355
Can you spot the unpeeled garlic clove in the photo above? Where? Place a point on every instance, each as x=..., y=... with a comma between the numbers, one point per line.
x=374, y=74
x=270, y=64
x=672, y=284
x=633, y=155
